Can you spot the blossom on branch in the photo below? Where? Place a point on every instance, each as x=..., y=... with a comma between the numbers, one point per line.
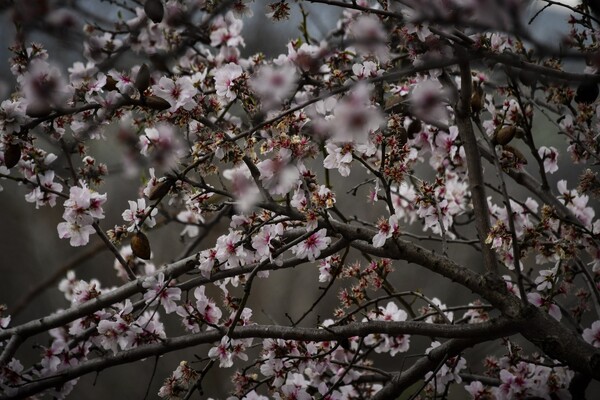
x=311, y=247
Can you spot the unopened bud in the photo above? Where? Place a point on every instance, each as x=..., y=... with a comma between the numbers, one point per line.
x=402, y=136
x=587, y=92
x=157, y=103
x=154, y=10
x=477, y=99
x=504, y=135
x=413, y=128
x=520, y=157
x=160, y=190
x=111, y=84
x=142, y=81
x=140, y=246
x=12, y=155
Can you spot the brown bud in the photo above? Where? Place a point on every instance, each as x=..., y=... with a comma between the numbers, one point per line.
x=587, y=92
x=157, y=103
x=477, y=99
x=142, y=80
x=12, y=155
x=402, y=136
x=111, y=84
x=504, y=135
x=520, y=157
x=159, y=191
x=520, y=133
x=154, y=10
x=38, y=109
x=413, y=128
x=140, y=246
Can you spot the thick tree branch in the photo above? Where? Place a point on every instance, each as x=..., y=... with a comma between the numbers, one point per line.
x=475, y=169
x=89, y=307
x=482, y=332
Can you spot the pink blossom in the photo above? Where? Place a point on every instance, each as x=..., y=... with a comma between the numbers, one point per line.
x=230, y=250
x=295, y=387
x=592, y=334
x=537, y=300
x=326, y=269
x=80, y=72
x=355, y=117
x=114, y=333
x=226, y=31
x=419, y=29
x=311, y=248
x=124, y=82
x=513, y=386
x=160, y=145
x=97, y=48
x=278, y=174
x=179, y=93
x=79, y=235
x=261, y=242
x=243, y=187
x=153, y=330
x=339, y=158
x=152, y=182
x=227, y=349
x=386, y=343
x=366, y=70
x=403, y=199
x=210, y=313
x=370, y=35
x=44, y=84
x=42, y=194
x=159, y=290
x=5, y=321
x=386, y=230
x=192, y=219
x=207, y=261
x=428, y=100
x=478, y=391
x=576, y=203
x=12, y=115
x=448, y=315
x=448, y=373
x=84, y=205
x=299, y=200
x=274, y=85
x=225, y=80
x=307, y=56
x=550, y=157
x=222, y=353
x=546, y=279
x=136, y=212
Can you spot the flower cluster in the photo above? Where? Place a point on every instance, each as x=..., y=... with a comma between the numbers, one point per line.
x=83, y=207
x=333, y=151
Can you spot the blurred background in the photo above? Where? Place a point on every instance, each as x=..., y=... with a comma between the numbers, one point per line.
x=32, y=253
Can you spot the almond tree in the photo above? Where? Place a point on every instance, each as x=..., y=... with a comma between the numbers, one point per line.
x=437, y=103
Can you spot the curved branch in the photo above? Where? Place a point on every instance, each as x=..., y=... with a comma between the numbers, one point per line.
x=104, y=300
x=482, y=332
x=402, y=381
